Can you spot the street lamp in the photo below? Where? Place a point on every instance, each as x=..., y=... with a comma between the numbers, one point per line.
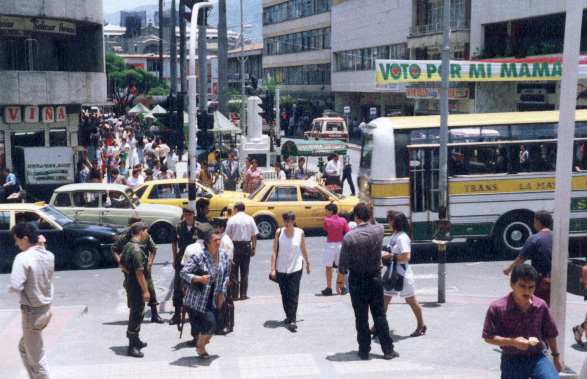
x=192, y=96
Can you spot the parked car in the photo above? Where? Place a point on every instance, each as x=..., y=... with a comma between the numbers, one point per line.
x=114, y=204
x=328, y=128
x=175, y=192
x=304, y=197
x=77, y=245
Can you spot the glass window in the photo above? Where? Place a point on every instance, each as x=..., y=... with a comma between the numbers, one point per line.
x=119, y=200
x=283, y=194
x=34, y=218
x=140, y=191
x=313, y=194
x=580, y=156
x=86, y=199
x=367, y=151
x=165, y=191
x=465, y=135
x=56, y=216
x=58, y=137
x=4, y=221
x=62, y=200
x=533, y=131
x=334, y=127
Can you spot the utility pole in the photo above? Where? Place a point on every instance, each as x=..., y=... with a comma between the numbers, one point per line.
x=243, y=119
x=160, y=40
x=277, y=113
x=173, y=53
x=203, y=62
x=222, y=57
x=193, y=89
x=564, y=163
x=183, y=81
x=443, y=155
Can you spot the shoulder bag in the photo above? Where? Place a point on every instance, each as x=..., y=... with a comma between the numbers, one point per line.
x=392, y=279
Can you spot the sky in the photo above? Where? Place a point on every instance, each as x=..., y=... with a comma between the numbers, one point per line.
x=117, y=5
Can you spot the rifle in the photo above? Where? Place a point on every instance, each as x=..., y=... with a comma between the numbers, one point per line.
x=181, y=322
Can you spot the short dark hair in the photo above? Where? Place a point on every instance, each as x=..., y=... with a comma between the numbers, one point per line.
x=544, y=218
x=331, y=208
x=524, y=272
x=362, y=212
x=289, y=216
x=239, y=206
x=202, y=203
x=137, y=227
x=399, y=221
x=148, y=172
x=26, y=229
x=115, y=171
x=208, y=237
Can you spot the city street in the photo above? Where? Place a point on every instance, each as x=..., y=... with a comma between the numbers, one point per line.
x=87, y=332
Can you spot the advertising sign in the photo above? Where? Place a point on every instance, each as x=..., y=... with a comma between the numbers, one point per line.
x=48, y=165
x=410, y=71
x=37, y=24
x=454, y=93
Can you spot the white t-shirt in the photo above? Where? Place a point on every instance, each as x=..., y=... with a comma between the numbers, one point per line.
x=331, y=168
x=135, y=182
x=241, y=227
x=289, y=256
x=227, y=246
x=191, y=250
x=400, y=243
x=281, y=175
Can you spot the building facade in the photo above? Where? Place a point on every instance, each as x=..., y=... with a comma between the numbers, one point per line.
x=52, y=64
x=253, y=55
x=296, y=54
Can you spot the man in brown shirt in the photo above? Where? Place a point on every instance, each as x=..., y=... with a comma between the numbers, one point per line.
x=361, y=256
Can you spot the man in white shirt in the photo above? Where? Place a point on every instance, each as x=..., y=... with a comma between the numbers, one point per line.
x=32, y=278
x=136, y=179
x=242, y=230
x=331, y=170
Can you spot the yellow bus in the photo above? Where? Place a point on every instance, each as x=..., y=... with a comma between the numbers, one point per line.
x=501, y=170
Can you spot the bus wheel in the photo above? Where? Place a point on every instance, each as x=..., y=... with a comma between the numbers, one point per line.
x=511, y=234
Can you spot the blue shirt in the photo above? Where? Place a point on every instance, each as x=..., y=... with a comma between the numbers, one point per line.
x=199, y=264
x=538, y=248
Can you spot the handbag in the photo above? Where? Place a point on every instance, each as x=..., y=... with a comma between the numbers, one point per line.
x=392, y=279
x=276, y=254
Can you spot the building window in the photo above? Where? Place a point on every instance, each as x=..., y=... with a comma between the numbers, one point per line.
x=294, y=9
x=364, y=59
x=153, y=65
x=57, y=137
x=309, y=40
x=300, y=75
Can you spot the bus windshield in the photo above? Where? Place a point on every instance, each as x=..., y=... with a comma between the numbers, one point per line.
x=367, y=151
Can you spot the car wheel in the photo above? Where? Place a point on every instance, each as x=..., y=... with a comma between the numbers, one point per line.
x=161, y=233
x=511, y=234
x=86, y=258
x=267, y=227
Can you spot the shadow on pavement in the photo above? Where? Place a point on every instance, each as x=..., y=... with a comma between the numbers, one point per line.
x=578, y=347
x=194, y=361
x=185, y=345
x=430, y=304
x=273, y=324
x=120, y=350
x=116, y=323
x=350, y=356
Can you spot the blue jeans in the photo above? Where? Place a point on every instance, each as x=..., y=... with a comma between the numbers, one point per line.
x=524, y=367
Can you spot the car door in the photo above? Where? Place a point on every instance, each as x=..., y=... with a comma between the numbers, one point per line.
x=8, y=249
x=86, y=207
x=166, y=194
x=313, y=200
x=281, y=199
x=53, y=234
x=116, y=208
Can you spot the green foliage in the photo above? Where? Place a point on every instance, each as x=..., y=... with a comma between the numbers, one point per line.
x=158, y=91
x=126, y=83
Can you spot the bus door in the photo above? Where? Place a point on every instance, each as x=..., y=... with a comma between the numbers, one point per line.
x=424, y=190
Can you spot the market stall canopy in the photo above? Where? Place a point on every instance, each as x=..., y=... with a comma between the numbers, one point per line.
x=158, y=110
x=223, y=125
x=138, y=109
x=312, y=148
x=150, y=116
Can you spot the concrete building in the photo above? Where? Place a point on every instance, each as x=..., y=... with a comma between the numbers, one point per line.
x=253, y=64
x=52, y=63
x=296, y=38
x=363, y=31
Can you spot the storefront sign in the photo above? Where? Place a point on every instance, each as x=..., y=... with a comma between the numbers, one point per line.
x=37, y=24
x=47, y=115
x=48, y=165
x=406, y=71
x=454, y=93
x=12, y=115
x=31, y=114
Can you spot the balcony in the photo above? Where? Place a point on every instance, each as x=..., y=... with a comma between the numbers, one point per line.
x=435, y=28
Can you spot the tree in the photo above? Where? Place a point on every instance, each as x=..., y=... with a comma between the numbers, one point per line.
x=126, y=83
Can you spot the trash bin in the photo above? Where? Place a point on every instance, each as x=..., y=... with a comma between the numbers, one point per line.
x=574, y=270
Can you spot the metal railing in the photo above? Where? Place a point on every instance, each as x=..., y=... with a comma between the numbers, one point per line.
x=436, y=27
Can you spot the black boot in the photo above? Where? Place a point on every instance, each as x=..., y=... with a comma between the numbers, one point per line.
x=176, y=316
x=134, y=347
x=141, y=343
x=155, y=315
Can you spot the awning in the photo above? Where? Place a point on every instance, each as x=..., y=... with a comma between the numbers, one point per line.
x=223, y=125
x=138, y=109
x=312, y=148
x=158, y=110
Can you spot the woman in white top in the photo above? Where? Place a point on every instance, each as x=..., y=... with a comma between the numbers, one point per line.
x=287, y=261
x=399, y=252
x=279, y=173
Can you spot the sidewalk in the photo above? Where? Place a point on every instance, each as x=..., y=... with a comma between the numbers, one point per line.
x=92, y=344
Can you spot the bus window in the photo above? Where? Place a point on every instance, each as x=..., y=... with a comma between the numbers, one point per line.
x=367, y=151
x=533, y=131
x=536, y=157
x=402, y=139
x=580, y=130
x=580, y=156
x=479, y=160
x=457, y=135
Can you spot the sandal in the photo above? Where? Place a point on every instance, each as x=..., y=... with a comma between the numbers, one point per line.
x=203, y=355
x=420, y=331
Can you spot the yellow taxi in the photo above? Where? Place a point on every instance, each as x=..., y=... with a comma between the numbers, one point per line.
x=175, y=192
x=305, y=198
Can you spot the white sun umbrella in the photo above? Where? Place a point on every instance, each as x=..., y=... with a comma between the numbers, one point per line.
x=150, y=116
x=158, y=110
x=139, y=109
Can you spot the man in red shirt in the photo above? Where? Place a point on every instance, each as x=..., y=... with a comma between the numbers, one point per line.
x=336, y=227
